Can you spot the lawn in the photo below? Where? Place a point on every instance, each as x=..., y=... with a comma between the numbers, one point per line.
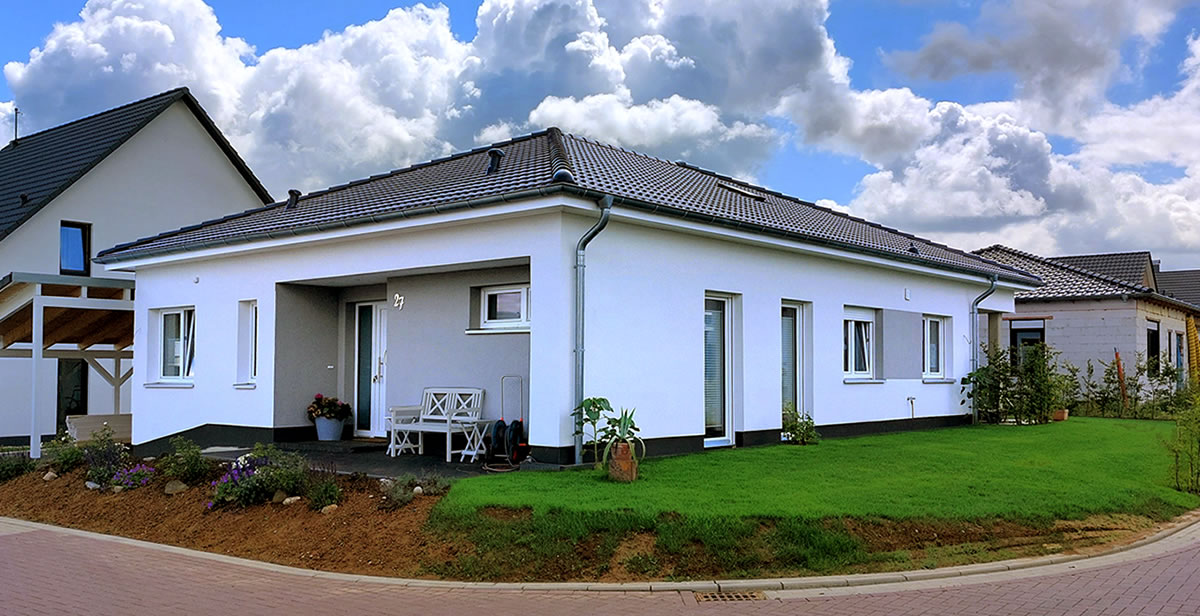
x=1057, y=471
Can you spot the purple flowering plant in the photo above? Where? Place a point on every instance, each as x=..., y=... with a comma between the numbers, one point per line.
x=242, y=484
x=133, y=477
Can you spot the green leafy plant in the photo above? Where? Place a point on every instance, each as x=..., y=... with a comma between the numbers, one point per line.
x=241, y=485
x=134, y=477
x=104, y=456
x=588, y=414
x=187, y=463
x=281, y=470
x=400, y=492
x=330, y=408
x=12, y=467
x=1024, y=388
x=324, y=492
x=621, y=429
x=63, y=453
x=1185, y=448
x=990, y=386
x=798, y=427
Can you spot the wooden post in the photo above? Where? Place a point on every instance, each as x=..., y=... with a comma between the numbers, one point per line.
x=116, y=386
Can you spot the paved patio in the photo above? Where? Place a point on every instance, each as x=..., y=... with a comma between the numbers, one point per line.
x=54, y=571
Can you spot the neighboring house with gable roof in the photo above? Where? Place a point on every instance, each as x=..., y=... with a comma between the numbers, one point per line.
x=710, y=304
x=1092, y=305
x=68, y=191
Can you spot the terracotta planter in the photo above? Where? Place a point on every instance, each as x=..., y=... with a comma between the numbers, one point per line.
x=1061, y=415
x=621, y=465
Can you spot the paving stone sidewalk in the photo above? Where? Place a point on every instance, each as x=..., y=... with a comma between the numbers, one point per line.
x=46, y=571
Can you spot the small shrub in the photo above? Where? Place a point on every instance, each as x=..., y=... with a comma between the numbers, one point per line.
x=104, y=456
x=280, y=470
x=63, y=453
x=134, y=477
x=186, y=463
x=798, y=428
x=1185, y=448
x=324, y=492
x=12, y=467
x=401, y=491
x=241, y=485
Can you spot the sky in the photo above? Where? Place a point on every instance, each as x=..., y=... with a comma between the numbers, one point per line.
x=1055, y=126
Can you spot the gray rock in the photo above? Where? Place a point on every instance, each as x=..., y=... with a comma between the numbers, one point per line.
x=386, y=484
x=329, y=508
x=279, y=497
x=91, y=485
x=291, y=500
x=49, y=476
x=118, y=489
x=174, y=486
x=418, y=491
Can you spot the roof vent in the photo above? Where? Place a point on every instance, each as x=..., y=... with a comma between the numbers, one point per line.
x=24, y=198
x=741, y=191
x=293, y=198
x=912, y=247
x=495, y=154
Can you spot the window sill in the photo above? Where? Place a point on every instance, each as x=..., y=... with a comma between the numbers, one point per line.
x=245, y=385
x=934, y=380
x=863, y=381
x=169, y=385
x=496, y=330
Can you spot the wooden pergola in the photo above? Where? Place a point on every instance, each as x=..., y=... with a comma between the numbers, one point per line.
x=46, y=316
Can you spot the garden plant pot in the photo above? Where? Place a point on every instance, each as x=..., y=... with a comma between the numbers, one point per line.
x=622, y=466
x=328, y=429
x=1061, y=415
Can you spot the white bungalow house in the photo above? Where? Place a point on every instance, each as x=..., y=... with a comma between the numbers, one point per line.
x=708, y=304
x=85, y=185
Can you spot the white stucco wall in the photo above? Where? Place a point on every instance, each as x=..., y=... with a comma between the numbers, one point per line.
x=168, y=175
x=646, y=291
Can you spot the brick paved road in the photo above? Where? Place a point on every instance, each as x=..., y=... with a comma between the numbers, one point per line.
x=51, y=572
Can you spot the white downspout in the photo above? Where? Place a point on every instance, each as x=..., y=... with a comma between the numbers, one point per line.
x=580, y=263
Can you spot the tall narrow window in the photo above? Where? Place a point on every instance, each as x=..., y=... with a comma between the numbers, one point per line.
x=1152, y=348
x=178, y=336
x=790, y=322
x=247, y=367
x=716, y=368
x=857, y=334
x=934, y=359
x=74, y=248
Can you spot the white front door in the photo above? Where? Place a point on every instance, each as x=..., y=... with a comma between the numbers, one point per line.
x=370, y=368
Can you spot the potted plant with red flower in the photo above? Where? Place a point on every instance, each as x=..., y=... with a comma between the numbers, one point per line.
x=329, y=415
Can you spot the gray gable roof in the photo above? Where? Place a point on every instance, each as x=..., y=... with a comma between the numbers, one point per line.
x=36, y=168
x=549, y=162
x=1063, y=281
x=1183, y=284
x=1132, y=267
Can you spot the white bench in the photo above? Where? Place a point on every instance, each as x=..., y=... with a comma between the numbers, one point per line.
x=81, y=427
x=443, y=410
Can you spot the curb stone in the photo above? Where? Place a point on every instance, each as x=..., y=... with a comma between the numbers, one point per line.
x=774, y=584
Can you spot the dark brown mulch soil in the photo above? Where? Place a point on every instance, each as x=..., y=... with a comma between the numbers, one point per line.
x=356, y=538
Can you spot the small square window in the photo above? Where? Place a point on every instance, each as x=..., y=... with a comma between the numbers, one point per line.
x=504, y=307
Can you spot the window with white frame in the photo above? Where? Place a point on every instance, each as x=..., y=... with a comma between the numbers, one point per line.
x=177, y=334
x=934, y=364
x=247, y=366
x=858, y=332
x=504, y=307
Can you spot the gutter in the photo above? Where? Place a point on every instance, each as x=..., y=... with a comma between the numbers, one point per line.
x=975, y=336
x=605, y=204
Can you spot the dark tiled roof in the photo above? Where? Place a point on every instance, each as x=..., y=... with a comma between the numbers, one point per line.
x=1181, y=284
x=1062, y=281
x=1128, y=266
x=44, y=164
x=534, y=164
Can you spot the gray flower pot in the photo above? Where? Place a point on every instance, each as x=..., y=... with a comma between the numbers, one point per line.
x=328, y=429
